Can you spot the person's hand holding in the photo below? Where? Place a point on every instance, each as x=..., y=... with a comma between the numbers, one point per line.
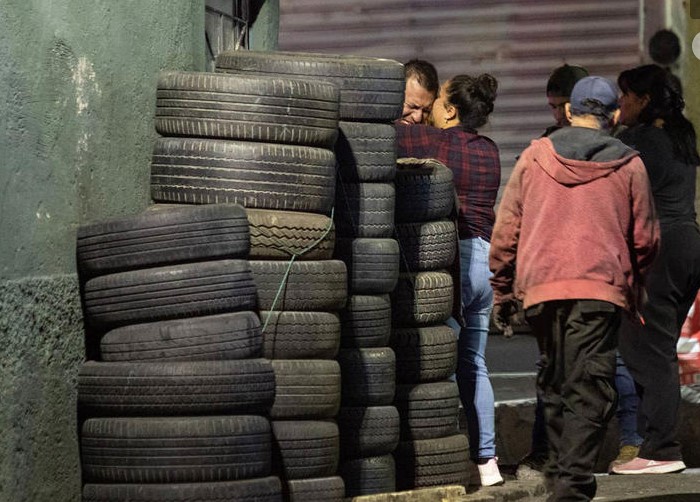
x=503, y=314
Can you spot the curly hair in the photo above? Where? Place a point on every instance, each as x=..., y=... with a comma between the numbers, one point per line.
x=473, y=97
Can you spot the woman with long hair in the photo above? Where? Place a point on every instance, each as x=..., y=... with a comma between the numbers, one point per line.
x=462, y=106
x=651, y=105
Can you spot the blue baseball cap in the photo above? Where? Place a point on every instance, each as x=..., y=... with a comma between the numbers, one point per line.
x=594, y=95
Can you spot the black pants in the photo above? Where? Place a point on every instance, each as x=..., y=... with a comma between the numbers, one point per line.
x=649, y=350
x=578, y=340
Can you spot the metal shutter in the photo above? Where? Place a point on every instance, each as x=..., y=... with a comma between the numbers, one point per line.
x=517, y=41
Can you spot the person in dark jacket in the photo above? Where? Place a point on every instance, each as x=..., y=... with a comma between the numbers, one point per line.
x=577, y=221
x=651, y=105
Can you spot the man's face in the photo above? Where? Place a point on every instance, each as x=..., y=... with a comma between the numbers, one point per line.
x=417, y=103
x=556, y=104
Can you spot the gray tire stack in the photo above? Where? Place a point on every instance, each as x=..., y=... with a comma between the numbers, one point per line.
x=431, y=452
x=174, y=404
x=371, y=95
x=281, y=167
x=266, y=144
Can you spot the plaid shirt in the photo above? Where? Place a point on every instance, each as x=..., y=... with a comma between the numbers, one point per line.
x=475, y=165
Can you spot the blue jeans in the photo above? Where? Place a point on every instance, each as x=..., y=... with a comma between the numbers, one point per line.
x=475, y=389
x=627, y=405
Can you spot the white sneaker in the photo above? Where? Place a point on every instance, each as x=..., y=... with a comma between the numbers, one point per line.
x=489, y=473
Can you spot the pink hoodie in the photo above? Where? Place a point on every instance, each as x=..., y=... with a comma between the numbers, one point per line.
x=574, y=229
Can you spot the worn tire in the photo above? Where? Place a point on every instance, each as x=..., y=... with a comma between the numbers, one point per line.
x=368, y=376
x=247, y=107
x=300, y=335
x=175, y=449
x=432, y=462
x=255, y=175
x=368, y=431
x=366, y=152
x=366, y=321
x=365, y=209
x=268, y=489
x=371, y=89
x=431, y=245
x=309, y=286
x=176, y=291
x=223, y=336
x=162, y=236
x=330, y=489
x=424, y=190
x=176, y=388
x=306, y=448
x=279, y=235
x=306, y=389
x=422, y=298
x=373, y=264
x=425, y=353
x=428, y=410
x=369, y=475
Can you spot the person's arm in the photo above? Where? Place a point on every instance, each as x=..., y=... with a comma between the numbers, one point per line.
x=504, y=239
x=646, y=232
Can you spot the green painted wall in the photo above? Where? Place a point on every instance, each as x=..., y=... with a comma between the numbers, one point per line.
x=77, y=98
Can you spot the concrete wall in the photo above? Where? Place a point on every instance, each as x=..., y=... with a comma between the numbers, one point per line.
x=691, y=77
x=77, y=98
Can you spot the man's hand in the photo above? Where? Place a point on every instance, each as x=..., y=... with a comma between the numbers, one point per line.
x=503, y=314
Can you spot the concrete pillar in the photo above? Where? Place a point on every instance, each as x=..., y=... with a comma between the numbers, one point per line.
x=77, y=98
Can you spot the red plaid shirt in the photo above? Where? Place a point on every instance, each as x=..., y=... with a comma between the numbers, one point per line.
x=475, y=166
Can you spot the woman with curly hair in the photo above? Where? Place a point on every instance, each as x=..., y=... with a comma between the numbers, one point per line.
x=462, y=106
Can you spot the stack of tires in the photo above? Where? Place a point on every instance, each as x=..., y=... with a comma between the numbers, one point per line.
x=266, y=142
x=371, y=96
x=174, y=404
x=431, y=452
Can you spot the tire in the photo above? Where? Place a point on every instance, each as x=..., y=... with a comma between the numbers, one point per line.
x=176, y=388
x=428, y=410
x=176, y=291
x=366, y=321
x=368, y=376
x=368, y=431
x=309, y=285
x=371, y=89
x=175, y=449
x=425, y=353
x=300, y=335
x=366, y=152
x=307, y=448
x=369, y=475
x=250, y=108
x=432, y=462
x=163, y=236
x=431, y=245
x=373, y=264
x=422, y=298
x=424, y=190
x=365, y=209
x=279, y=235
x=223, y=336
x=255, y=175
x=306, y=389
x=268, y=489
x=330, y=489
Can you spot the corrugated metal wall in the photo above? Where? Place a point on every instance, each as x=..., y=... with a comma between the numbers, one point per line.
x=517, y=41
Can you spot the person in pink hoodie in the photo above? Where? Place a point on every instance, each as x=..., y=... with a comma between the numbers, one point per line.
x=575, y=233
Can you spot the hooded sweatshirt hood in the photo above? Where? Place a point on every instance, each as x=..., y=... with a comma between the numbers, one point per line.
x=577, y=155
